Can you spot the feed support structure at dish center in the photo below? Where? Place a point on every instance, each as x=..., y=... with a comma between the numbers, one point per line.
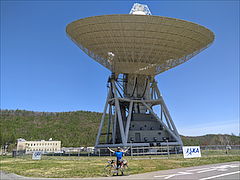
x=135, y=48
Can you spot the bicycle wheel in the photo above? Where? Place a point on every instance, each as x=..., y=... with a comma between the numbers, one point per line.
x=124, y=170
x=108, y=170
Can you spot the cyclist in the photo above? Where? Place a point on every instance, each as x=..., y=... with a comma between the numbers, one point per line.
x=119, y=154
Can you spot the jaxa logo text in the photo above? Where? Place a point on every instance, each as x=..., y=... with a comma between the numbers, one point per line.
x=190, y=151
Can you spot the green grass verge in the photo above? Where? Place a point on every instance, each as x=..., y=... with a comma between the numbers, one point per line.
x=73, y=167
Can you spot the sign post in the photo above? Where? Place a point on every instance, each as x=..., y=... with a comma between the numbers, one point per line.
x=37, y=155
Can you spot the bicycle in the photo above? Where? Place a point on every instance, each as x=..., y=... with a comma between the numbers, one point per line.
x=111, y=168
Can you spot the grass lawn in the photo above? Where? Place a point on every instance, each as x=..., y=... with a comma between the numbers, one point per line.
x=66, y=167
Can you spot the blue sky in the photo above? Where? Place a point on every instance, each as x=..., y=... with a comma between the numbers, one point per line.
x=42, y=70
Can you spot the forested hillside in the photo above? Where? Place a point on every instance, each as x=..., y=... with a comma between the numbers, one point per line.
x=74, y=129
x=77, y=128
x=211, y=139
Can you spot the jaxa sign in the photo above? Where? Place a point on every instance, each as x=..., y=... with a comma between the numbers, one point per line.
x=191, y=151
x=36, y=155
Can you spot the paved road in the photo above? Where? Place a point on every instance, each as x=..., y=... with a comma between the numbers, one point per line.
x=224, y=171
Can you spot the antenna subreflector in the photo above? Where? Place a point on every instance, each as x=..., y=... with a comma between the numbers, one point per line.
x=140, y=9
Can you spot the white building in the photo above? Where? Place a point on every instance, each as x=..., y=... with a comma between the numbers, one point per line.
x=42, y=146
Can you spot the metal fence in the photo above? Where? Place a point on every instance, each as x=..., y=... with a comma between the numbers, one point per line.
x=221, y=147
x=157, y=151
x=175, y=151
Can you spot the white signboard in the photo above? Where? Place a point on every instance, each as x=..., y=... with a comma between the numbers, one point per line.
x=37, y=155
x=191, y=151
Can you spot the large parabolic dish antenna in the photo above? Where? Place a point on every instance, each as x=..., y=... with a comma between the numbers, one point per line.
x=140, y=44
x=135, y=47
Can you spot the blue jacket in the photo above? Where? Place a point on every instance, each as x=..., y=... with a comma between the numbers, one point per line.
x=119, y=155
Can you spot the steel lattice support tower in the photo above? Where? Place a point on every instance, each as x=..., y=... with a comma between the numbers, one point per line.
x=131, y=119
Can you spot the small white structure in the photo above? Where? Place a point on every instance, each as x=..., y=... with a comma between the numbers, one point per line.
x=41, y=146
x=90, y=149
x=72, y=149
x=140, y=9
